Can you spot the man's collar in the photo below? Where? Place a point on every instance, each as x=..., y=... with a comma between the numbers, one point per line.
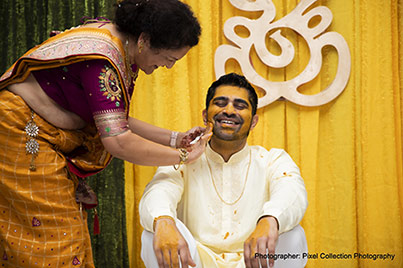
x=235, y=158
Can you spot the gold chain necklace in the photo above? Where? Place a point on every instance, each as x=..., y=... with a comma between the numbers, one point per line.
x=133, y=75
x=244, y=184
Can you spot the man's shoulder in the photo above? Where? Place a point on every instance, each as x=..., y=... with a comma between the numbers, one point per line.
x=270, y=156
x=272, y=152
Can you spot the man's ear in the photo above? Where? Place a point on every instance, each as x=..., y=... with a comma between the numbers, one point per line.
x=204, y=114
x=255, y=119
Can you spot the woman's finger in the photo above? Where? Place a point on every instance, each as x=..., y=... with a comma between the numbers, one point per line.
x=207, y=134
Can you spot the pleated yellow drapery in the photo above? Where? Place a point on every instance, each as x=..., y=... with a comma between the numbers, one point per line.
x=349, y=151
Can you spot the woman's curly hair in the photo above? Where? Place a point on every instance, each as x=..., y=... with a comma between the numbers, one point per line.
x=168, y=24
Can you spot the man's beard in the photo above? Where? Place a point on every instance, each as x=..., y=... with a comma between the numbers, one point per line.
x=232, y=136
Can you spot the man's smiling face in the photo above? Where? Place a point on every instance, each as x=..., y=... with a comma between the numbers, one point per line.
x=230, y=112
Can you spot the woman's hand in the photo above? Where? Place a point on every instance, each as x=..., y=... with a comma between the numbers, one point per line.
x=184, y=138
x=196, y=150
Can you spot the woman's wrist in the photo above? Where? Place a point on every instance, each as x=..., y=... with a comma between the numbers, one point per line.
x=173, y=139
x=183, y=158
x=180, y=140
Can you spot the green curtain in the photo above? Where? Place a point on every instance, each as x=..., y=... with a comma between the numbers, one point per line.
x=26, y=23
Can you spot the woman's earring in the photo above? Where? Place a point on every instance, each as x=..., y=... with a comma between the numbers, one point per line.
x=140, y=46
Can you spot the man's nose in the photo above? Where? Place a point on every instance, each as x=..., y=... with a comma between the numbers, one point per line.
x=229, y=109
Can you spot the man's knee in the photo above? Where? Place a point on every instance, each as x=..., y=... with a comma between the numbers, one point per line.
x=290, y=247
x=292, y=241
x=147, y=239
x=147, y=250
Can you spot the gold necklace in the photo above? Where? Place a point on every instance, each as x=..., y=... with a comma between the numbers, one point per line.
x=244, y=184
x=133, y=75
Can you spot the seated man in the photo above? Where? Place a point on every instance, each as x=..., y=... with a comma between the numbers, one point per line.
x=233, y=207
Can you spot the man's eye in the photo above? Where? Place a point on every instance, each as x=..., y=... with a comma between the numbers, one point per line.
x=240, y=106
x=220, y=103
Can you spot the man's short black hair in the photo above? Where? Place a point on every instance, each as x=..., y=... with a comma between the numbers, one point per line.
x=233, y=79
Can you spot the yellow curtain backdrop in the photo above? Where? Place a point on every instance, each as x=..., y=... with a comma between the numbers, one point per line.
x=349, y=151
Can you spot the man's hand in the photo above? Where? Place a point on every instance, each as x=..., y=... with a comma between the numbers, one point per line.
x=169, y=243
x=263, y=237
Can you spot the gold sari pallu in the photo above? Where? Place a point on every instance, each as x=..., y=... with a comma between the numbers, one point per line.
x=41, y=224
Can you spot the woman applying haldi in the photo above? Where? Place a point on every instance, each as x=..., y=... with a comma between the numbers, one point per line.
x=64, y=114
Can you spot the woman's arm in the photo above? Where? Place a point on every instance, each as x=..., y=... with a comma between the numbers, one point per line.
x=135, y=149
x=150, y=132
x=161, y=135
x=127, y=139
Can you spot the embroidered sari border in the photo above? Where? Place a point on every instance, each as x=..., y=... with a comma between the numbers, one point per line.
x=111, y=122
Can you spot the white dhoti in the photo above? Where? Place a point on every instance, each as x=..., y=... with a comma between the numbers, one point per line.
x=288, y=254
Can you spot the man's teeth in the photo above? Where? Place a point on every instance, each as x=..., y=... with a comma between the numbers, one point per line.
x=227, y=122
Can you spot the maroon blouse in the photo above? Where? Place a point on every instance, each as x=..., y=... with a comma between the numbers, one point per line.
x=86, y=88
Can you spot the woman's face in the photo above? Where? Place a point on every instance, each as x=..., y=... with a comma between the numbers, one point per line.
x=150, y=59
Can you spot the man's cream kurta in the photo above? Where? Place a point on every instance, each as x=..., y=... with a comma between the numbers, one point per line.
x=202, y=197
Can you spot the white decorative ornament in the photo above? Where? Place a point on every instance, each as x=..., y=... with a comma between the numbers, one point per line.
x=297, y=20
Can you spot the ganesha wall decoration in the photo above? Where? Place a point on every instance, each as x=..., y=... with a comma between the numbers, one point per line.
x=297, y=20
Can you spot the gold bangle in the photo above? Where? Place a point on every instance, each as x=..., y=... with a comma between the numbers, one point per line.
x=183, y=157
